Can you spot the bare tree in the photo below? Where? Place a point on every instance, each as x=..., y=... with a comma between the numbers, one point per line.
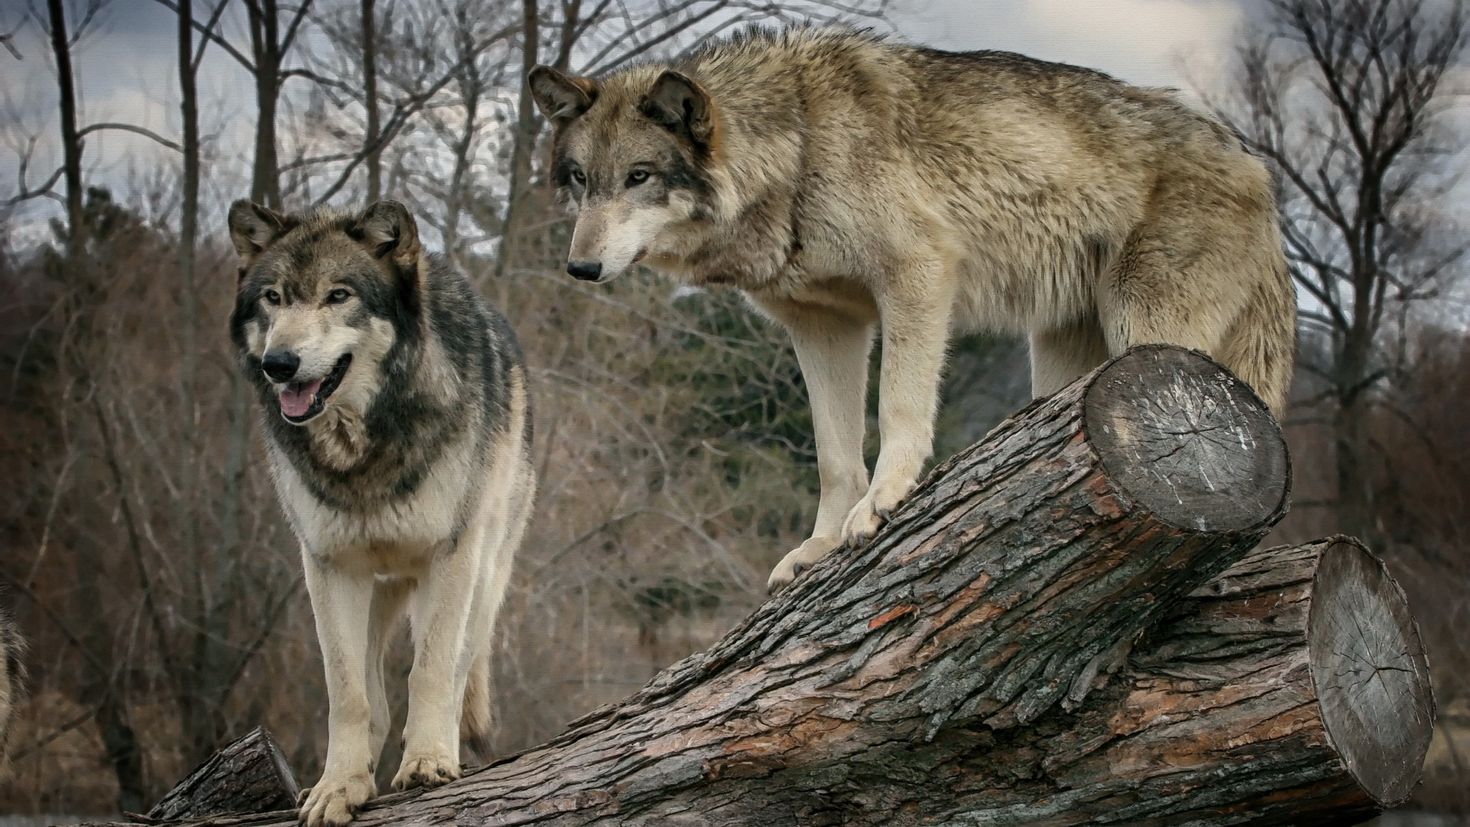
x=371, y=147
x=62, y=39
x=1346, y=98
x=269, y=45
x=412, y=74
x=475, y=104
x=526, y=123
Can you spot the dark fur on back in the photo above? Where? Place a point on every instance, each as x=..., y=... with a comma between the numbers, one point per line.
x=409, y=423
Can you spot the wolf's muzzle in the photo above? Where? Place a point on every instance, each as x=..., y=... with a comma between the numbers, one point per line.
x=280, y=365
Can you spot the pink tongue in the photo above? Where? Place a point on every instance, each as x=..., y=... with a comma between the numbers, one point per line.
x=296, y=399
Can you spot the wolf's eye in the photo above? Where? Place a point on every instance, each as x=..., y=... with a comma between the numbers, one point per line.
x=580, y=177
x=637, y=177
x=341, y=294
x=272, y=297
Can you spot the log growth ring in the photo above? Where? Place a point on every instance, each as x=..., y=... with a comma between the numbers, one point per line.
x=1187, y=440
x=1370, y=672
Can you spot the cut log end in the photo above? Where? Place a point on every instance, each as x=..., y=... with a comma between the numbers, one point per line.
x=247, y=776
x=1371, y=675
x=1187, y=440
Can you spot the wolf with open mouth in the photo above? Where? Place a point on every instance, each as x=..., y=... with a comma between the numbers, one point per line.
x=398, y=430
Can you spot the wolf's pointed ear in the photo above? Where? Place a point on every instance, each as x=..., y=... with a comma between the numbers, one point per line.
x=561, y=99
x=682, y=106
x=387, y=229
x=253, y=228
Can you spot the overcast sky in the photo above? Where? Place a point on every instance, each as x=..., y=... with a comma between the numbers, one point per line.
x=126, y=66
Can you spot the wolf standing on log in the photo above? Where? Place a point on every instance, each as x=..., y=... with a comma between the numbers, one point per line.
x=398, y=430
x=842, y=181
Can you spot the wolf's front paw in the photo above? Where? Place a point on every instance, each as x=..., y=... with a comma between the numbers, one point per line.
x=425, y=770
x=871, y=512
x=335, y=799
x=798, y=560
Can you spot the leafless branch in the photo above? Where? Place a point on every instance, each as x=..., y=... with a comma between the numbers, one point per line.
x=207, y=29
x=127, y=127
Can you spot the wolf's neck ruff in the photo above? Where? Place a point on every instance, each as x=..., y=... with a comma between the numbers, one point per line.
x=339, y=440
x=352, y=459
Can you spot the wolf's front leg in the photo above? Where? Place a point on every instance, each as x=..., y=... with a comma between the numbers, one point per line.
x=916, y=306
x=342, y=603
x=832, y=349
x=441, y=613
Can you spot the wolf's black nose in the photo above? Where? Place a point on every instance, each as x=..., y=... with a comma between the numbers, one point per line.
x=585, y=270
x=280, y=365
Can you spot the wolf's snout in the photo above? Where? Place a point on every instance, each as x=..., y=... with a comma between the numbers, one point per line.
x=585, y=270
x=280, y=365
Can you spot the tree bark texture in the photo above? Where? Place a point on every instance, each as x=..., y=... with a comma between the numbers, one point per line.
x=987, y=658
x=1291, y=689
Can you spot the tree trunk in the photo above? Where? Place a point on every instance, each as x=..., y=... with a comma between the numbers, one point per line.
x=71, y=143
x=454, y=198
x=248, y=776
x=120, y=741
x=1292, y=689
x=1246, y=704
x=525, y=138
x=374, y=159
x=1357, y=510
x=265, y=41
x=195, y=710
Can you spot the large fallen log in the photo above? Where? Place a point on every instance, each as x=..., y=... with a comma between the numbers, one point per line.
x=1244, y=706
x=1015, y=575
x=1292, y=689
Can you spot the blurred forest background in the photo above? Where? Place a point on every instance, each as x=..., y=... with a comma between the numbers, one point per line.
x=143, y=552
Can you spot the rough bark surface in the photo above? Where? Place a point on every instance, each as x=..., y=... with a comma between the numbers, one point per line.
x=984, y=611
x=248, y=776
x=1228, y=712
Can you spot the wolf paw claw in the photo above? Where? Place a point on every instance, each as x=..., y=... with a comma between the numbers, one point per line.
x=425, y=771
x=799, y=560
x=334, y=801
x=867, y=517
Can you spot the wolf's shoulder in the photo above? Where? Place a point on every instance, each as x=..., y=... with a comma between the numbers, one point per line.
x=457, y=305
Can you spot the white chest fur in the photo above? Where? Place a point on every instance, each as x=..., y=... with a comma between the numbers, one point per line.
x=395, y=539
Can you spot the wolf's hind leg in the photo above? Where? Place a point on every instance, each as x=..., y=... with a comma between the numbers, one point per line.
x=832, y=349
x=389, y=599
x=1059, y=356
x=441, y=614
x=1204, y=273
x=477, y=723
